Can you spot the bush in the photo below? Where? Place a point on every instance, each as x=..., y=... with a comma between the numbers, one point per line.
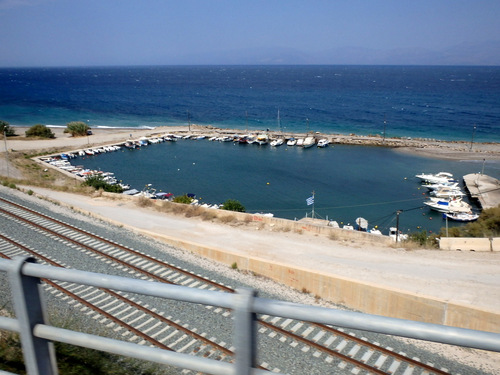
x=97, y=182
x=488, y=225
x=233, y=205
x=183, y=199
x=5, y=127
x=39, y=130
x=77, y=128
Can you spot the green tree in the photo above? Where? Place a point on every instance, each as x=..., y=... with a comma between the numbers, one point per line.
x=77, y=128
x=233, y=205
x=5, y=127
x=39, y=130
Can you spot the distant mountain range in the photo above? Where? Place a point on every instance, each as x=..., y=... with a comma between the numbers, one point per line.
x=486, y=53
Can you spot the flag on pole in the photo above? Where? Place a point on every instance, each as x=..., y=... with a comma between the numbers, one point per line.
x=310, y=200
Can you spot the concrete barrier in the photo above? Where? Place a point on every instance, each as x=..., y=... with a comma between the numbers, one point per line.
x=470, y=243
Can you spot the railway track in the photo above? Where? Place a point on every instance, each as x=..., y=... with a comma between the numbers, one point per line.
x=317, y=342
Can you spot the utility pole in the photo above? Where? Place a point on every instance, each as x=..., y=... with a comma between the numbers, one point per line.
x=397, y=225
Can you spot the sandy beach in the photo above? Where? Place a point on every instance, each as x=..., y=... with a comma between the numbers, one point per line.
x=466, y=278
x=430, y=148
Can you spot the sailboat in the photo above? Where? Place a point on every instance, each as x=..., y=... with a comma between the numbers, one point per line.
x=279, y=141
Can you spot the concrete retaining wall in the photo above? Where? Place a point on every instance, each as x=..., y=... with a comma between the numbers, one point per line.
x=470, y=243
x=365, y=297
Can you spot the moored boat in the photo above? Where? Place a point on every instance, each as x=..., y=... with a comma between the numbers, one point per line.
x=277, y=142
x=436, y=178
x=461, y=216
x=445, y=205
x=323, y=143
x=446, y=192
x=309, y=142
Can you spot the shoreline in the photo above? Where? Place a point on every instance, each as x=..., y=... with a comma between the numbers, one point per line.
x=450, y=150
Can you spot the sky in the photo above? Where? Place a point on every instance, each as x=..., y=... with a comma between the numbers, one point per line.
x=165, y=32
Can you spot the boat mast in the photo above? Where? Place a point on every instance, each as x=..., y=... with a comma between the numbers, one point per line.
x=279, y=122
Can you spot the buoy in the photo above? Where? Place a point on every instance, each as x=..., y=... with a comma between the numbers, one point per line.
x=268, y=183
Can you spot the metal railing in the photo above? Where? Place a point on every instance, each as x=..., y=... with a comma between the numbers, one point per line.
x=37, y=336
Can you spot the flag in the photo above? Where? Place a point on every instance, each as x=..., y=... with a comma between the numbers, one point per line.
x=310, y=200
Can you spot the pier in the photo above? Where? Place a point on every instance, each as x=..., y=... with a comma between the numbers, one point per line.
x=485, y=189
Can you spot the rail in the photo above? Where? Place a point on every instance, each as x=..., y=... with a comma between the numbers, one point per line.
x=37, y=336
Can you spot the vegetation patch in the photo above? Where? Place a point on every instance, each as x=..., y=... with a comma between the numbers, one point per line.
x=226, y=219
x=97, y=182
x=77, y=128
x=40, y=131
x=233, y=205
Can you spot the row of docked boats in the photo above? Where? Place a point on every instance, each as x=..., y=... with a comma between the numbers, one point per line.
x=63, y=163
x=264, y=139
x=446, y=196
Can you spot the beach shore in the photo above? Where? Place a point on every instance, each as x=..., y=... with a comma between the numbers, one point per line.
x=457, y=150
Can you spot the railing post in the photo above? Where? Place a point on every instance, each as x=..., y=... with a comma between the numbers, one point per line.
x=245, y=332
x=39, y=355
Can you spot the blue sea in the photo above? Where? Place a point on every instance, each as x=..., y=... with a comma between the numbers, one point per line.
x=446, y=103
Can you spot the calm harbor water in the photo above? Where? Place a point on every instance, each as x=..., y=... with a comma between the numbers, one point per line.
x=348, y=181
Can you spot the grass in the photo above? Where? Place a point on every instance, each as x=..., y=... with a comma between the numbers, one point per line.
x=72, y=360
x=75, y=360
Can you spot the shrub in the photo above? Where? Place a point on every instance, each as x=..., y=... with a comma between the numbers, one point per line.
x=39, y=130
x=233, y=205
x=5, y=128
x=144, y=202
x=183, y=199
x=208, y=215
x=77, y=128
x=227, y=219
x=488, y=225
x=97, y=182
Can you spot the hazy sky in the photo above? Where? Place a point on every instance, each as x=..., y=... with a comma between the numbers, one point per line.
x=126, y=32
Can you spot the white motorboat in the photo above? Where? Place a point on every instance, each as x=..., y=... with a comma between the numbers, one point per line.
x=309, y=142
x=441, y=185
x=462, y=216
x=291, y=142
x=446, y=192
x=441, y=177
x=277, y=142
x=448, y=205
x=323, y=143
x=300, y=142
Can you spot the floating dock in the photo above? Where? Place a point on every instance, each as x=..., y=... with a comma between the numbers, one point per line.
x=485, y=189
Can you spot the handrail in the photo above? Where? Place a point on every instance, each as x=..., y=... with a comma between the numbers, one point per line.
x=36, y=335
